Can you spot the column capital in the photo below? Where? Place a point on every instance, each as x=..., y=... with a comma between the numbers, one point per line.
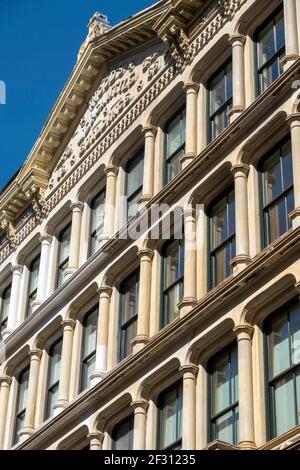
x=237, y=39
x=189, y=369
x=104, y=290
x=77, y=205
x=46, y=238
x=146, y=253
x=190, y=212
x=293, y=120
x=17, y=268
x=191, y=86
x=96, y=435
x=68, y=323
x=5, y=379
x=140, y=404
x=111, y=169
x=244, y=329
x=241, y=169
x=149, y=129
x=35, y=354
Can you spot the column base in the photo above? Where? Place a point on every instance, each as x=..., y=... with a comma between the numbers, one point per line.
x=247, y=445
x=294, y=216
x=239, y=263
x=186, y=305
x=288, y=60
x=235, y=112
x=25, y=433
x=139, y=342
x=145, y=198
x=186, y=159
x=6, y=333
x=69, y=272
x=97, y=376
x=60, y=406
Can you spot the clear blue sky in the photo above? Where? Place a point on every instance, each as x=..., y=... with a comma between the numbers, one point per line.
x=39, y=42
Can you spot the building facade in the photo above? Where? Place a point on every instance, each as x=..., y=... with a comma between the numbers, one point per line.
x=149, y=245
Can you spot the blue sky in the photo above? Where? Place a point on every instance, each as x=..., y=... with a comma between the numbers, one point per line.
x=39, y=42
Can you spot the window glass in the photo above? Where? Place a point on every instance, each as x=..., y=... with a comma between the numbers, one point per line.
x=128, y=314
x=170, y=406
x=173, y=270
x=175, y=144
x=89, y=347
x=21, y=403
x=33, y=284
x=5, y=302
x=97, y=223
x=134, y=183
x=64, y=251
x=220, y=87
x=122, y=436
x=53, y=376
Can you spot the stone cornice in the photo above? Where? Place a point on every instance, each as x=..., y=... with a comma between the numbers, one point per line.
x=173, y=333
x=92, y=63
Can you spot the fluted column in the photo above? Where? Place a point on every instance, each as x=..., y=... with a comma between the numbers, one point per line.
x=77, y=210
x=244, y=335
x=96, y=440
x=237, y=42
x=143, y=323
x=110, y=200
x=242, y=258
x=4, y=397
x=189, y=379
x=46, y=241
x=191, y=90
x=294, y=123
x=140, y=409
x=149, y=157
x=65, y=367
x=102, y=334
x=291, y=34
x=17, y=271
x=190, y=262
x=31, y=403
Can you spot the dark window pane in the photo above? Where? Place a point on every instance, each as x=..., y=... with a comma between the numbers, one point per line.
x=295, y=335
x=287, y=165
x=266, y=48
x=279, y=346
x=225, y=427
x=290, y=205
x=277, y=220
x=122, y=435
x=170, y=418
x=272, y=177
x=280, y=36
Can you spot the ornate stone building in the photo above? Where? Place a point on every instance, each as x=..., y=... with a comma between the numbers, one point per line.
x=112, y=337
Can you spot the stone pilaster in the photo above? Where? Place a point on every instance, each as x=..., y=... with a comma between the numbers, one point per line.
x=77, y=210
x=65, y=367
x=190, y=262
x=291, y=34
x=191, y=90
x=96, y=440
x=140, y=409
x=294, y=123
x=110, y=200
x=5, y=383
x=149, y=159
x=17, y=272
x=46, y=241
x=189, y=379
x=237, y=42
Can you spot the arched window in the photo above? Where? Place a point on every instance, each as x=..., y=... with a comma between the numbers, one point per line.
x=220, y=100
x=277, y=191
x=5, y=301
x=97, y=222
x=223, y=396
x=270, y=49
x=33, y=283
x=175, y=131
x=122, y=434
x=222, y=237
x=63, y=254
x=134, y=182
x=283, y=358
x=170, y=418
x=129, y=302
x=89, y=342
x=172, y=279
x=53, y=377
x=23, y=380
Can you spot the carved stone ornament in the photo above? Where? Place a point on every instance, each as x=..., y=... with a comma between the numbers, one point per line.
x=229, y=7
x=8, y=228
x=39, y=205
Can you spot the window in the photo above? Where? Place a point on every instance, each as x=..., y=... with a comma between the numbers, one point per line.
x=64, y=252
x=170, y=418
x=97, y=222
x=173, y=271
x=129, y=313
x=21, y=402
x=277, y=191
x=5, y=301
x=175, y=144
x=270, y=44
x=283, y=339
x=122, y=435
x=33, y=284
x=222, y=237
x=224, y=412
x=53, y=376
x=134, y=183
x=220, y=100
x=89, y=347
